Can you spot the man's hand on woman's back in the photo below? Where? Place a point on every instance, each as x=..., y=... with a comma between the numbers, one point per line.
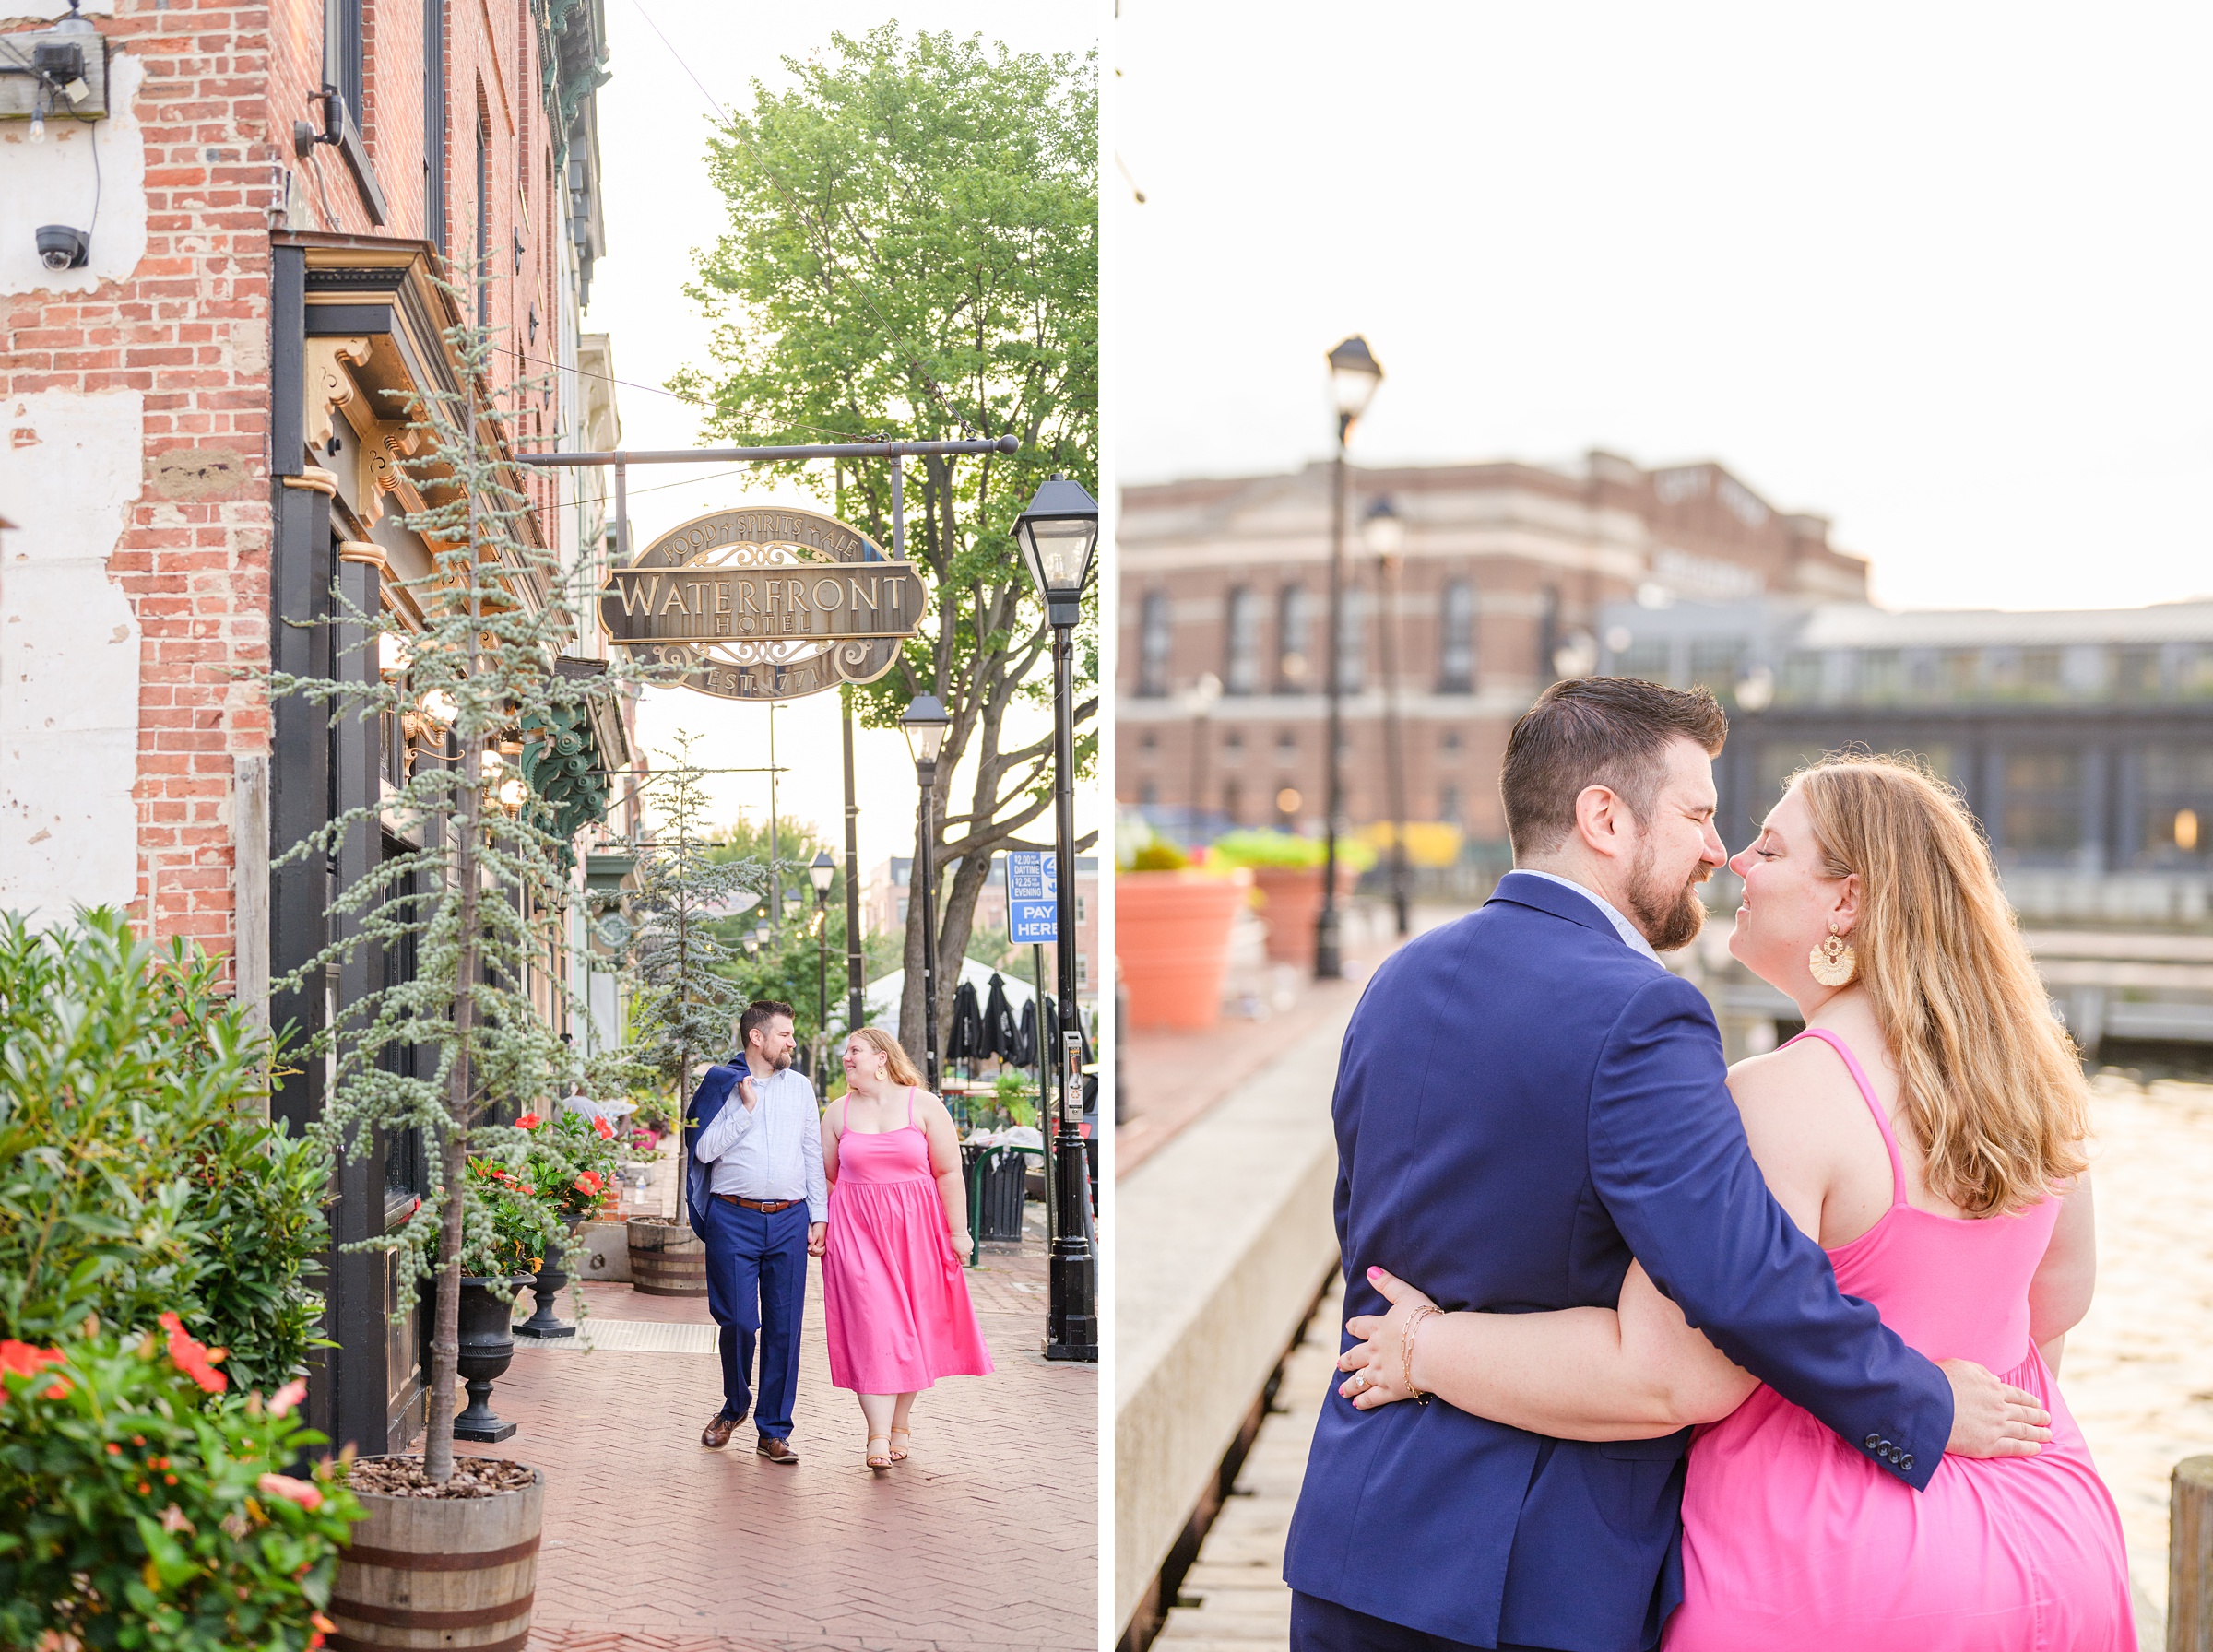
x=1991, y=1418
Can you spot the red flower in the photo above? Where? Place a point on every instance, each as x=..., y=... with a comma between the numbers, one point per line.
x=307, y=1496
x=590, y=1182
x=530, y=1121
x=197, y=1360
x=605, y=1130
x=21, y=1359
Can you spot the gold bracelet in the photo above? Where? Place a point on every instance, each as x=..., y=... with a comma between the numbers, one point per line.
x=1414, y=1322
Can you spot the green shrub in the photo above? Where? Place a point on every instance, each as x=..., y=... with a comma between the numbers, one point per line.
x=144, y=1503
x=1159, y=855
x=1286, y=849
x=134, y=1178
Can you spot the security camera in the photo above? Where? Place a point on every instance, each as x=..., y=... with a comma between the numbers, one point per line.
x=60, y=247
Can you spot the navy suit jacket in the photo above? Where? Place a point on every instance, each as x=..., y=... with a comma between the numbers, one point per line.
x=1524, y=1103
x=716, y=1088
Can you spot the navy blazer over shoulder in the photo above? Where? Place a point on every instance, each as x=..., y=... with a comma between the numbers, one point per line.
x=1524, y=1103
x=715, y=1089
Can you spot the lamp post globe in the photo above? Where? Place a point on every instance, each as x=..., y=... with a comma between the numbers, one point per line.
x=1058, y=536
x=1354, y=374
x=924, y=724
x=821, y=871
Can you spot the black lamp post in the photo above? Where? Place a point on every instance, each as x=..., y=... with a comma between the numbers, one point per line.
x=1385, y=537
x=1059, y=533
x=1354, y=375
x=925, y=725
x=820, y=871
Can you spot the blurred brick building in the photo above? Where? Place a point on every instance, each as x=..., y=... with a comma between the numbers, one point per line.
x=1506, y=570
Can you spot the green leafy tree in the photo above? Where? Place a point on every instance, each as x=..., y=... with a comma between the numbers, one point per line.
x=481, y=900
x=913, y=253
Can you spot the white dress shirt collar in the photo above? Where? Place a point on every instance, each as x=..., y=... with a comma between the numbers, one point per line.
x=1622, y=926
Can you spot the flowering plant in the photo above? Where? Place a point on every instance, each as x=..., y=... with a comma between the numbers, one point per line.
x=144, y=1503
x=573, y=1158
x=513, y=1224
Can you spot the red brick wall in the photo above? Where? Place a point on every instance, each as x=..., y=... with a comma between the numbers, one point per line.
x=190, y=331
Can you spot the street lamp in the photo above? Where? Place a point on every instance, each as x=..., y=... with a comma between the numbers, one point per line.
x=1385, y=537
x=820, y=871
x=1198, y=700
x=924, y=725
x=1058, y=535
x=1354, y=375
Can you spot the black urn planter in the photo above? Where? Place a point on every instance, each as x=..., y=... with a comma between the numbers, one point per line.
x=546, y=1284
x=486, y=1350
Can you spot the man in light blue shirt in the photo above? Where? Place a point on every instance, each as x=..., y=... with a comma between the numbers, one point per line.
x=758, y=1200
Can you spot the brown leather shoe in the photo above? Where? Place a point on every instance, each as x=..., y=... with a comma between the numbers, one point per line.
x=717, y=1433
x=777, y=1451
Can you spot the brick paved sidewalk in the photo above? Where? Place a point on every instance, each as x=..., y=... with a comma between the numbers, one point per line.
x=984, y=1541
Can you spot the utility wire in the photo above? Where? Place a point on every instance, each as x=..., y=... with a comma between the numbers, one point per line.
x=682, y=64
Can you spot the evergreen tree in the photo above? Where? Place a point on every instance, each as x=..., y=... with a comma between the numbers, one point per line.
x=481, y=901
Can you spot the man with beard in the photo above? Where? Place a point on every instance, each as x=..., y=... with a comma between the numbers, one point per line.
x=1526, y=1099
x=759, y=1204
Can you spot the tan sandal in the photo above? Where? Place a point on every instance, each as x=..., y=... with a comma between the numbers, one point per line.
x=878, y=1461
x=892, y=1439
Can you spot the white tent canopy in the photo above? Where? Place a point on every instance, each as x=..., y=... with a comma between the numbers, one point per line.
x=883, y=995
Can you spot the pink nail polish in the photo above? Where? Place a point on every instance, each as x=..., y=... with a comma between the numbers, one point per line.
x=1375, y=1273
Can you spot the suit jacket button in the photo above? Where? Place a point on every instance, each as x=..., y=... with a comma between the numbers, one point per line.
x=1874, y=1441
x=1906, y=1462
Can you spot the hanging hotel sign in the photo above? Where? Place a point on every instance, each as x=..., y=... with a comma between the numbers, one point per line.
x=763, y=604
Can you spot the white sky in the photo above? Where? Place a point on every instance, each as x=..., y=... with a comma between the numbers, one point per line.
x=653, y=121
x=1938, y=272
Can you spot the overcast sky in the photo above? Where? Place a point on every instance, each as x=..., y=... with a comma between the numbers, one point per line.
x=654, y=117
x=1940, y=272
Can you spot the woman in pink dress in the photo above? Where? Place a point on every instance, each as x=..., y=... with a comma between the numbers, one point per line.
x=1927, y=1128
x=895, y=1302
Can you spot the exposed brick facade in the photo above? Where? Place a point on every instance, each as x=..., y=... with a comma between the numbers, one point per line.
x=189, y=330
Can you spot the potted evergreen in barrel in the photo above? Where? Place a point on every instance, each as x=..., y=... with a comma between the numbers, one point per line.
x=481, y=901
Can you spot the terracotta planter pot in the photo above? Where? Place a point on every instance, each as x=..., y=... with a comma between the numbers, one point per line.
x=439, y=1572
x=1290, y=901
x=1172, y=938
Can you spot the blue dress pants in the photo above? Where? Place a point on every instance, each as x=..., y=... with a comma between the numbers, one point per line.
x=757, y=1291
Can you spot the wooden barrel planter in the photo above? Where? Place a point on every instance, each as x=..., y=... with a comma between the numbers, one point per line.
x=425, y=1572
x=665, y=1258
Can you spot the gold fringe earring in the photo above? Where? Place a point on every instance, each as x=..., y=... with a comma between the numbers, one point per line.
x=1833, y=962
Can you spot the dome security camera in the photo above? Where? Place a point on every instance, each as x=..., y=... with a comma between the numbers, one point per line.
x=61, y=247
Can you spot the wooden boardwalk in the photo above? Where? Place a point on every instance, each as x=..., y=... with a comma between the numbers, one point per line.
x=1234, y=1598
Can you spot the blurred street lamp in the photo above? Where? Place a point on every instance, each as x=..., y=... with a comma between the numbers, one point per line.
x=1058, y=535
x=1198, y=700
x=1385, y=537
x=820, y=871
x=1354, y=375
x=762, y=933
x=925, y=725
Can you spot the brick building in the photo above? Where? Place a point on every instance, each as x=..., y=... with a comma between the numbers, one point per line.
x=1505, y=570
x=205, y=414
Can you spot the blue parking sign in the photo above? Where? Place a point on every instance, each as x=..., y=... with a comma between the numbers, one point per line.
x=1032, y=885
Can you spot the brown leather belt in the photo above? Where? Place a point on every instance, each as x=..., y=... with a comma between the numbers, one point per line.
x=767, y=1207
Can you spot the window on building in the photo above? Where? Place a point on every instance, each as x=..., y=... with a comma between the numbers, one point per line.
x=433, y=124
x=1456, y=638
x=1083, y=907
x=1232, y=803
x=1295, y=641
x=1448, y=738
x=1153, y=639
x=1882, y=674
x=342, y=52
x=1148, y=793
x=2041, y=815
x=1286, y=746
x=1352, y=637
x=1233, y=747
x=1448, y=804
x=2136, y=673
x=1082, y=972
x=1716, y=664
x=1241, y=661
x=2175, y=805
x=1645, y=659
x=1149, y=743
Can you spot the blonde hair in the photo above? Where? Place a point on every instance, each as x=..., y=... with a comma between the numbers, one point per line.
x=899, y=1066
x=1989, y=1080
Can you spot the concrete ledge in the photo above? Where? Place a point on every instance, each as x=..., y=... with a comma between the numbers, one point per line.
x=1226, y=1237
